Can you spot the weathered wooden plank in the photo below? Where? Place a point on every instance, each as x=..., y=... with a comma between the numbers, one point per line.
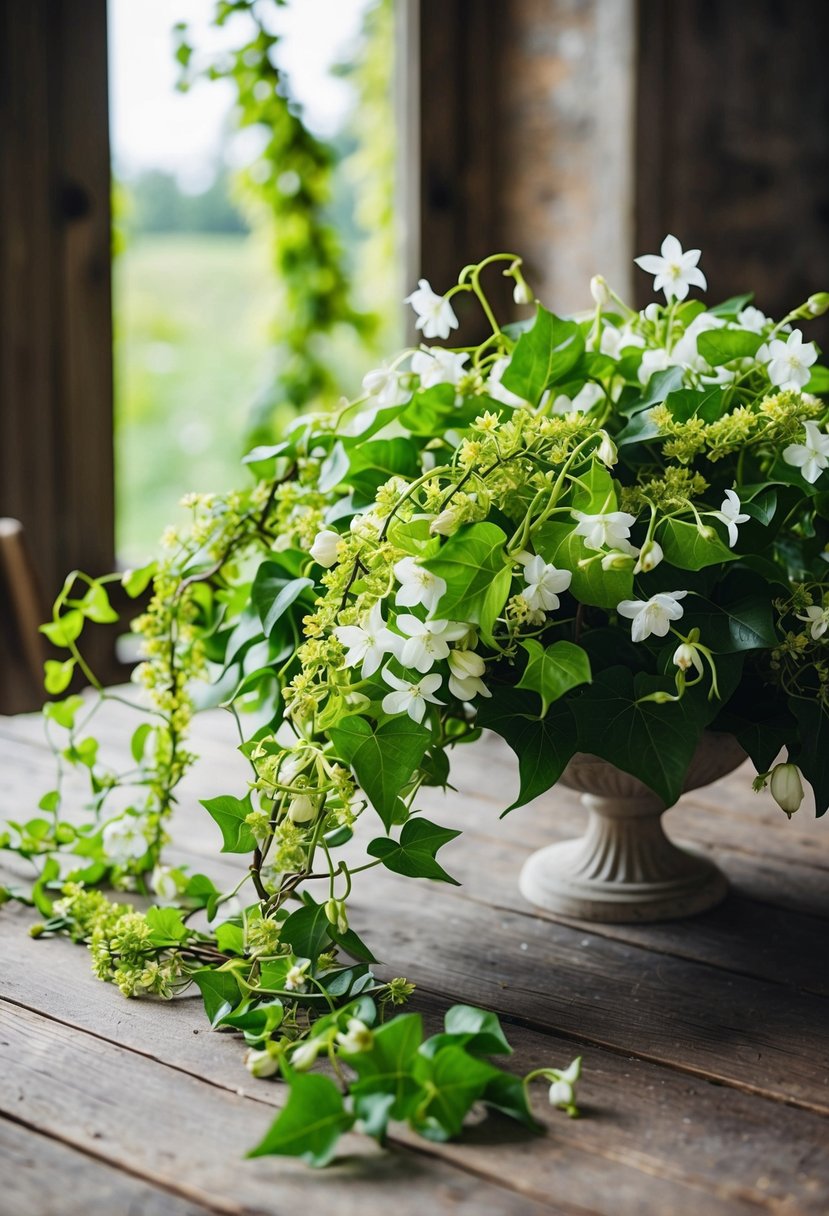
x=639, y=1115
x=190, y=1136
x=42, y=1177
x=586, y=1178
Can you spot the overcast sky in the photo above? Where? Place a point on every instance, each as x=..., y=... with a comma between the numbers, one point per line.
x=153, y=126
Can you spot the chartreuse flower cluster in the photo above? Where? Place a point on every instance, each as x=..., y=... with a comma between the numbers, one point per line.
x=603, y=534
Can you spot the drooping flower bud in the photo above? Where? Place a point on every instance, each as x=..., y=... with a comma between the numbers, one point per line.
x=445, y=524
x=607, y=451
x=262, y=1063
x=335, y=914
x=818, y=303
x=786, y=787
x=522, y=292
x=304, y=1056
x=302, y=809
x=687, y=656
x=650, y=555
x=600, y=291
x=356, y=1037
x=324, y=548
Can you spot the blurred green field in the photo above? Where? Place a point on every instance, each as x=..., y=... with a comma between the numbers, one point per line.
x=191, y=351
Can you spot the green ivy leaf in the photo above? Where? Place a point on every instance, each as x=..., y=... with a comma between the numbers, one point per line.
x=718, y=346
x=65, y=630
x=507, y=1093
x=138, y=743
x=543, y=745
x=96, y=607
x=57, y=675
x=387, y=1067
x=543, y=356
x=310, y=1123
x=455, y=1081
x=559, y=545
x=477, y=1031
x=137, y=581
x=552, y=671
x=166, y=926
x=272, y=593
x=64, y=712
x=414, y=854
x=686, y=403
x=743, y=623
x=50, y=871
x=230, y=938
x=383, y=758
x=652, y=742
x=307, y=931
x=373, y=463
x=685, y=548
x=219, y=990
x=659, y=387
x=477, y=574
x=230, y=813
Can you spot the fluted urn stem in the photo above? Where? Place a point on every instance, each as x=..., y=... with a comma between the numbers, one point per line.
x=625, y=868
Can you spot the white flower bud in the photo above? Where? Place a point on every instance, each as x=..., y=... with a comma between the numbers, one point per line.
x=164, y=884
x=561, y=1094
x=818, y=303
x=652, y=312
x=786, y=787
x=687, y=656
x=261, y=1063
x=303, y=809
x=324, y=548
x=600, y=291
x=522, y=292
x=616, y=560
x=650, y=555
x=335, y=914
x=607, y=451
x=304, y=1056
x=445, y=524
x=465, y=664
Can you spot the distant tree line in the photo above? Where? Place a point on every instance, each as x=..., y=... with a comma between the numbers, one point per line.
x=156, y=203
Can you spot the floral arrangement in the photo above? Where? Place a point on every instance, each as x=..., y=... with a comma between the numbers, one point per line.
x=603, y=534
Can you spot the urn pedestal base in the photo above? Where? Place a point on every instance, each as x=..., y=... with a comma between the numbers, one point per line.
x=625, y=868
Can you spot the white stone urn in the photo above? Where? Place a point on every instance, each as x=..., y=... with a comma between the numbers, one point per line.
x=625, y=868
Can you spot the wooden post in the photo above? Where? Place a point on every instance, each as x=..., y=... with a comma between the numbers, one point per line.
x=56, y=449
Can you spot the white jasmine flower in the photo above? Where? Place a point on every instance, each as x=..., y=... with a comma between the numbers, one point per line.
x=495, y=388
x=124, y=840
x=388, y=386
x=357, y=1037
x=650, y=555
x=608, y=529
x=752, y=319
x=261, y=1063
x=607, y=451
x=164, y=884
x=302, y=809
x=427, y=642
x=652, y=616
x=324, y=548
x=674, y=272
x=435, y=315
x=295, y=979
x=585, y=399
x=786, y=787
x=817, y=618
x=417, y=585
x=409, y=698
x=368, y=642
x=790, y=361
x=687, y=656
x=435, y=365
x=543, y=582
x=811, y=457
x=729, y=514
x=466, y=669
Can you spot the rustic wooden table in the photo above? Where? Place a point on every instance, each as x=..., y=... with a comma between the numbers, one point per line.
x=706, y=1081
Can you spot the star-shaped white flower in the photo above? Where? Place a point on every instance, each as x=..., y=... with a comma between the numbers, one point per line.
x=674, y=271
x=652, y=616
x=811, y=457
x=408, y=697
x=427, y=642
x=417, y=585
x=752, y=319
x=367, y=643
x=818, y=620
x=435, y=315
x=388, y=386
x=608, y=529
x=435, y=365
x=789, y=361
x=730, y=515
x=465, y=671
x=543, y=582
